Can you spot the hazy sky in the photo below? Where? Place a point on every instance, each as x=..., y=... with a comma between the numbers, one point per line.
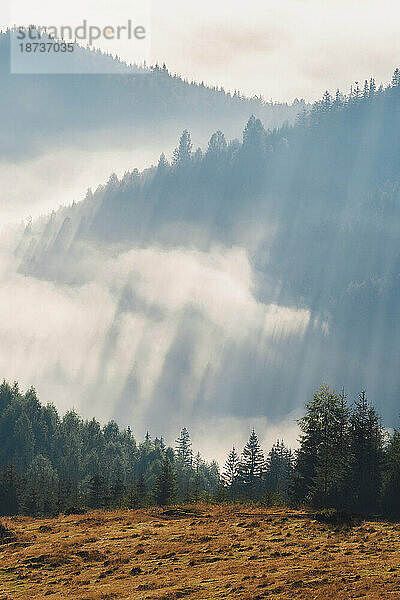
x=280, y=49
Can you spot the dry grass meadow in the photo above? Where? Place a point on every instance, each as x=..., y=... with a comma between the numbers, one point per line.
x=199, y=552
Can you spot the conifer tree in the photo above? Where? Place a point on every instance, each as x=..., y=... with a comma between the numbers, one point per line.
x=366, y=456
x=319, y=472
x=41, y=488
x=396, y=78
x=9, y=483
x=6, y=396
x=231, y=469
x=230, y=476
x=217, y=144
x=159, y=443
x=279, y=470
x=164, y=490
x=251, y=467
x=97, y=491
x=183, y=153
x=24, y=442
x=372, y=87
x=142, y=490
x=254, y=137
x=184, y=451
x=391, y=490
x=326, y=101
x=198, y=462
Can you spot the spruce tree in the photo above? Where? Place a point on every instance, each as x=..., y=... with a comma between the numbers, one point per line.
x=142, y=491
x=366, y=456
x=164, y=490
x=396, y=78
x=391, y=489
x=251, y=467
x=6, y=396
x=41, y=488
x=279, y=470
x=184, y=451
x=97, y=491
x=197, y=480
x=217, y=144
x=162, y=165
x=230, y=476
x=183, y=153
x=319, y=472
x=9, y=484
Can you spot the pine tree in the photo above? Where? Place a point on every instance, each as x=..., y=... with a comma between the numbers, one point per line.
x=396, y=78
x=366, y=90
x=366, y=456
x=251, y=467
x=164, y=490
x=372, y=87
x=41, y=488
x=159, y=443
x=279, y=470
x=9, y=484
x=198, y=462
x=24, y=442
x=391, y=490
x=184, y=449
x=184, y=465
x=97, y=491
x=183, y=153
x=217, y=144
x=133, y=498
x=118, y=490
x=338, y=102
x=319, y=470
x=6, y=396
x=141, y=489
x=230, y=476
x=254, y=137
x=326, y=101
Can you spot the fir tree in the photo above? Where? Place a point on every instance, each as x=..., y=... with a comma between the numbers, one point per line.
x=366, y=456
x=396, y=78
x=391, y=490
x=184, y=451
x=41, y=488
x=97, y=491
x=279, y=470
x=319, y=472
x=9, y=483
x=164, y=490
x=142, y=490
x=251, y=467
x=230, y=476
x=183, y=153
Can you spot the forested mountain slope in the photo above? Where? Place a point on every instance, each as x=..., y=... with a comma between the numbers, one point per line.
x=129, y=106
x=313, y=214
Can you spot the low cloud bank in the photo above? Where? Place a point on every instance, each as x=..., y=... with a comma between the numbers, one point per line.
x=154, y=338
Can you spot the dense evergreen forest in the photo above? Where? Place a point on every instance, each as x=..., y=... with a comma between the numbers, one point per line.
x=51, y=464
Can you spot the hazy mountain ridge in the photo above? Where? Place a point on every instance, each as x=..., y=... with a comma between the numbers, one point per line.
x=42, y=111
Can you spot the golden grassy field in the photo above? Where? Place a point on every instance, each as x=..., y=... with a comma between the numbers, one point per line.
x=200, y=552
